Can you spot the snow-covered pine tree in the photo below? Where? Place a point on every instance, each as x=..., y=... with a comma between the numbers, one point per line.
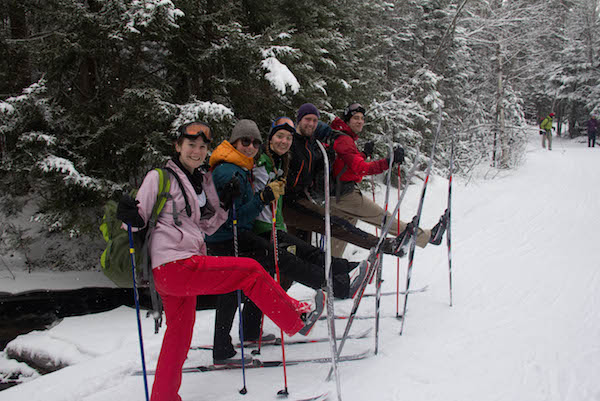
x=577, y=71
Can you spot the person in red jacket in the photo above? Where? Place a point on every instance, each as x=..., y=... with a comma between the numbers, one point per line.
x=350, y=167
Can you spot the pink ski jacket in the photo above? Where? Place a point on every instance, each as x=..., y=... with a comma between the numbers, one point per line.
x=170, y=241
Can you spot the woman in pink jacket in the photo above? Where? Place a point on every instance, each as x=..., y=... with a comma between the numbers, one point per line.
x=180, y=266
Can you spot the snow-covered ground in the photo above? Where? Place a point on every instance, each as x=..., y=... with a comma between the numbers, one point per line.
x=525, y=324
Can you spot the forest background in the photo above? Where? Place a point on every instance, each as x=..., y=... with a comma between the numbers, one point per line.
x=91, y=91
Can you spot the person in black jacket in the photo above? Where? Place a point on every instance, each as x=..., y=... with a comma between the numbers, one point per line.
x=302, y=213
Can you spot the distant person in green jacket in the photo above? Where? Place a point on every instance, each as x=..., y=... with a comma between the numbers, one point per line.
x=546, y=131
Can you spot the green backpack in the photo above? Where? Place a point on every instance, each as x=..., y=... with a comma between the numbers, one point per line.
x=116, y=259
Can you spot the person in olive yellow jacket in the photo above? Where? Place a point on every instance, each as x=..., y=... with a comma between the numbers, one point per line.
x=546, y=131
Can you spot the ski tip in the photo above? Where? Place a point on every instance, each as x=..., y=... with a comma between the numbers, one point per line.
x=319, y=397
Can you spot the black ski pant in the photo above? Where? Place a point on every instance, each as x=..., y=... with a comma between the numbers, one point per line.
x=305, y=216
x=298, y=261
x=591, y=139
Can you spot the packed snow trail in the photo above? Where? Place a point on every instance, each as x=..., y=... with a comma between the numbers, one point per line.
x=524, y=326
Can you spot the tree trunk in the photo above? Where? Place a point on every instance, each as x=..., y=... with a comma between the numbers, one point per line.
x=87, y=78
x=500, y=140
x=20, y=57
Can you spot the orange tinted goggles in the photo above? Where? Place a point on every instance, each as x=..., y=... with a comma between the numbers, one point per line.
x=196, y=129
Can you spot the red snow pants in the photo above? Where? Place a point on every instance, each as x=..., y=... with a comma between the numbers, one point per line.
x=178, y=284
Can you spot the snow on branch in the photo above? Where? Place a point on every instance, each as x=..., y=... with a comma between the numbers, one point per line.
x=39, y=137
x=199, y=110
x=6, y=108
x=35, y=88
x=274, y=51
x=64, y=166
x=143, y=12
x=280, y=76
x=320, y=85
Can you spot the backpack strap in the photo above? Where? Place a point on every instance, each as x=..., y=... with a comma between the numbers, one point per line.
x=335, y=135
x=163, y=195
x=188, y=208
x=338, y=182
x=164, y=187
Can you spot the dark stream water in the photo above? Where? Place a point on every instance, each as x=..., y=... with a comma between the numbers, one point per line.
x=36, y=310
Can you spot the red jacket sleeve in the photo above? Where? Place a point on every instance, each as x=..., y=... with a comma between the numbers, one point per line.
x=348, y=155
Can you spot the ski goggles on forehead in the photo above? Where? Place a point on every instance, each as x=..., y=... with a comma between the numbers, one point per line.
x=195, y=130
x=355, y=108
x=283, y=123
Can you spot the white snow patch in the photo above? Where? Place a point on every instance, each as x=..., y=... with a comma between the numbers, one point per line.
x=274, y=51
x=321, y=84
x=39, y=137
x=524, y=324
x=64, y=166
x=199, y=110
x=280, y=76
x=6, y=108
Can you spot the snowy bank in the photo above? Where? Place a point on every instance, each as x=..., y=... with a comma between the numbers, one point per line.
x=524, y=326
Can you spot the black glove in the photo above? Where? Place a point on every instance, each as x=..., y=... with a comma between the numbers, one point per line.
x=273, y=191
x=368, y=149
x=231, y=190
x=398, y=155
x=127, y=212
x=267, y=196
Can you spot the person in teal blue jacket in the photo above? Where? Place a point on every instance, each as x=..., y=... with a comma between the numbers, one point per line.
x=235, y=158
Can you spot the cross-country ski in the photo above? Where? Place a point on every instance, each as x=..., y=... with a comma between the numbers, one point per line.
x=257, y=363
x=277, y=341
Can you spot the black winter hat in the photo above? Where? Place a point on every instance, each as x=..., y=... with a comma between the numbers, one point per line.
x=352, y=110
x=305, y=109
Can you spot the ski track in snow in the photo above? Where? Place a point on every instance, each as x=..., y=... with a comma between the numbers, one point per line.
x=524, y=326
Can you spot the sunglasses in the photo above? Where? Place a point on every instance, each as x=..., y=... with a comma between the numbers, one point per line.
x=195, y=130
x=249, y=141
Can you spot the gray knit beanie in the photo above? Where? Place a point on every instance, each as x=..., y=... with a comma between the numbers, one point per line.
x=245, y=129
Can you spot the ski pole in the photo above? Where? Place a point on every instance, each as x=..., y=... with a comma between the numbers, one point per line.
x=335, y=352
x=398, y=259
x=260, y=334
x=244, y=390
x=379, y=280
x=373, y=192
x=283, y=392
x=137, y=309
x=372, y=259
x=449, y=225
x=416, y=220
